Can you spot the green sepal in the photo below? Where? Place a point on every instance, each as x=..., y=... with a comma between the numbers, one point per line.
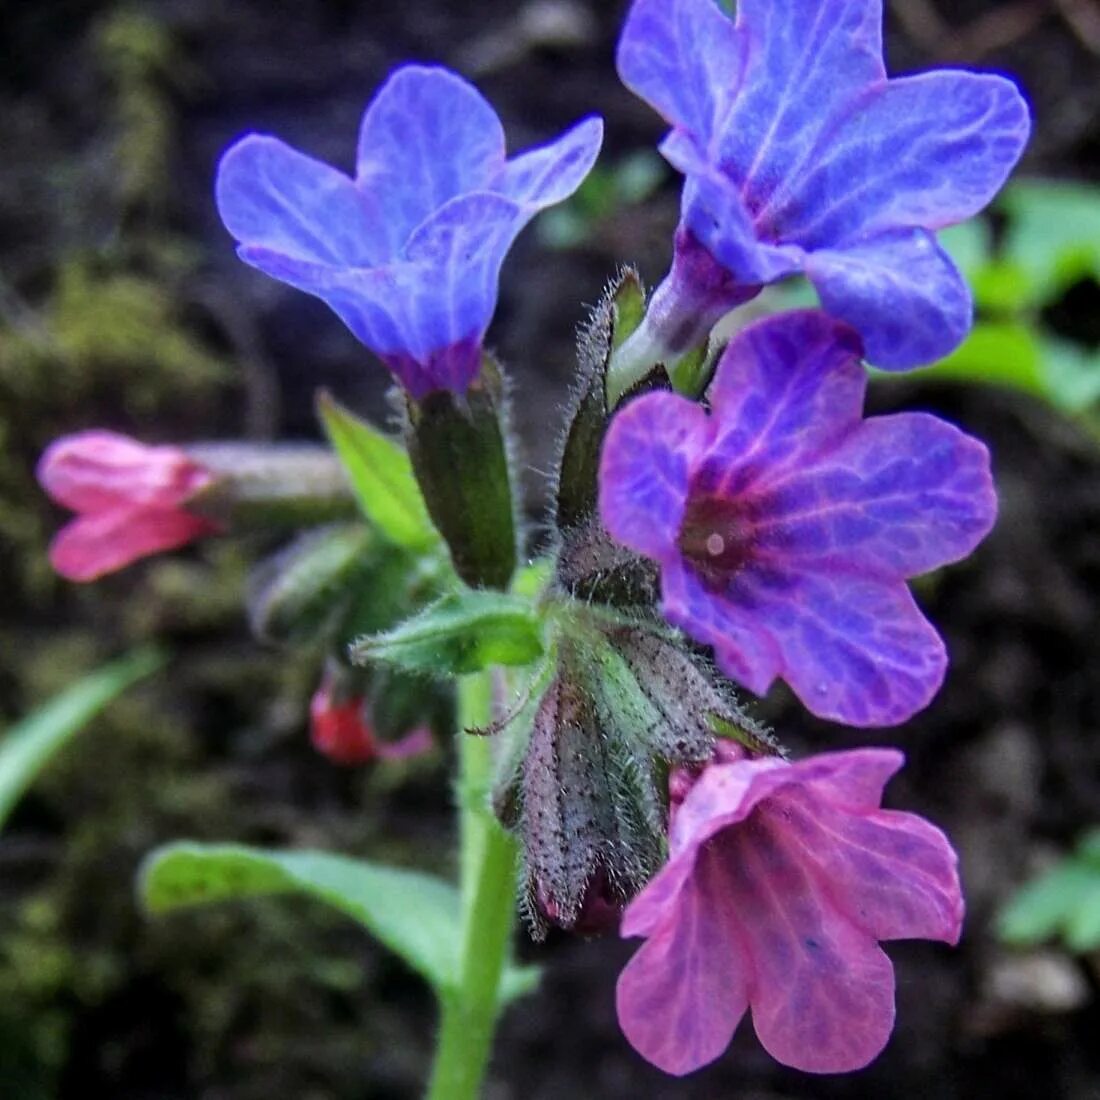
x=460, y=633
x=618, y=314
x=299, y=593
x=459, y=447
x=264, y=485
x=381, y=476
x=585, y=754
x=414, y=914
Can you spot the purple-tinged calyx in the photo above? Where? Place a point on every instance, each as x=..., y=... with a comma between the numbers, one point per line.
x=785, y=525
x=408, y=252
x=782, y=879
x=799, y=155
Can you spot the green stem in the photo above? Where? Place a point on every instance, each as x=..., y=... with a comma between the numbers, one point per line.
x=488, y=870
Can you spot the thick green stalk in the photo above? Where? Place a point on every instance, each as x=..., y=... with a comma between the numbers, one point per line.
x=488, y=869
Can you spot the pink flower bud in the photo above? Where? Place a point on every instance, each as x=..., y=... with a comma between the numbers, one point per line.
x=128, y=497
x=341, y=730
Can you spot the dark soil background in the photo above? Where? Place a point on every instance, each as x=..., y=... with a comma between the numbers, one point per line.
x=122, y=305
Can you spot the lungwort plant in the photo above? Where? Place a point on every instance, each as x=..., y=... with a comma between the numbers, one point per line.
x=724, y=516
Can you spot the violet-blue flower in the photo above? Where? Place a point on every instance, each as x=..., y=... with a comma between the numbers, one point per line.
x=801, y=156
x=785, y=525
x=408, y=252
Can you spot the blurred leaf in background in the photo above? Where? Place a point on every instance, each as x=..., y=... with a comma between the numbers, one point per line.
x=606, y=191
x=1063, y=903
x=29, y=745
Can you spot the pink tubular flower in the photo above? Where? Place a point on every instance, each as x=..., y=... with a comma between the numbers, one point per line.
x=129, y=499
x=781, y=880
x=339, y=730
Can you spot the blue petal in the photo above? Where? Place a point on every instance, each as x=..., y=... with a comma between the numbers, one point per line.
x=554, y=171
x=272, y=197
x=928, y=150
x=427, y=136
x=463, y=245
x=786, y=389
x=901, y=495
x=684, y=58
x=807, y=60
x=649, y=455
x=901, y=291
x=715, y=213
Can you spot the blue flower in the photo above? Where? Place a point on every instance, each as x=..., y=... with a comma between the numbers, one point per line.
x=801, y=156
x=408, y=253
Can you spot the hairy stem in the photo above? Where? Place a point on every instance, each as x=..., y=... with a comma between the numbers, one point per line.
x=488, y=870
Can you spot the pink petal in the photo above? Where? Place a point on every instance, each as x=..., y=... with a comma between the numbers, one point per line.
x=91, y=546
x=893, y=874
x=416, y=742
x=96, y=470
x=822, y=992
x=853, y=779
x=681, y=997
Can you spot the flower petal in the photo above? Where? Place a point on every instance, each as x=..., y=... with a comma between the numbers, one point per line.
x=893, y=874
x=270, y=196
x=928, y=150
x=648, y=457
x=808, y=59
x=901, y=495
x=853, y=647
x=426, y=137
x=96, y=470
x=684, y=58
x=822, y=992
x=91, y=546
x=854, y=779
x=744, y=651
x=681, y=997
x=901, y=291
x=554, y=171
x=784, y=389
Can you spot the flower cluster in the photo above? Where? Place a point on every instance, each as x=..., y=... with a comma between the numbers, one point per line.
x=783, y=524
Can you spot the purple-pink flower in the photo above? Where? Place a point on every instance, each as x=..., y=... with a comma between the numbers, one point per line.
x=801, y=156
x=782, y=880
x=130, y=501
x=408, y=252
x=785, y=525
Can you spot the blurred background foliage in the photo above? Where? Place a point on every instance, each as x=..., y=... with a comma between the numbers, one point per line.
x=121, y=305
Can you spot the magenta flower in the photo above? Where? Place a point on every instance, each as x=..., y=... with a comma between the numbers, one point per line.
x=408, y=252
x=801, y=156
x=785, y=525
x=129, y=498
x=781, y=881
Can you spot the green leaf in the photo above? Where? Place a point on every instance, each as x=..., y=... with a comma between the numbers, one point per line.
x=1071, y=373
x=1002, y=354
x=968, y=244
x=415, y=915
x=381, y=476
x=1053, y=233
x=461, y=633
x=28, y=746
x=1082, y=926
x=1040, y=910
